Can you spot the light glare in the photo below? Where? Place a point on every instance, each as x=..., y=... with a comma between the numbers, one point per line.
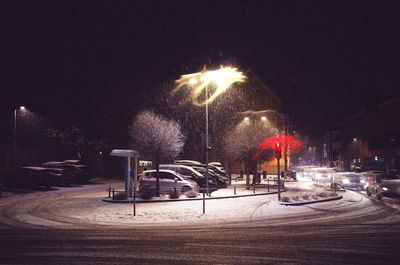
x=219, y=80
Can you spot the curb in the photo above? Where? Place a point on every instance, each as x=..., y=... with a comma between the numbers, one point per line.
x=310, y=202
x=189, y=199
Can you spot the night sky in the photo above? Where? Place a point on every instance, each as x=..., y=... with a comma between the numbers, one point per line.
x=78, y=61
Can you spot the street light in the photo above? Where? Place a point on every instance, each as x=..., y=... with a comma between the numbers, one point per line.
x=219, y=80
x=20, y=108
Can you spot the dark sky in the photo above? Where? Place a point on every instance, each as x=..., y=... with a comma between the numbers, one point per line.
x=325, y=59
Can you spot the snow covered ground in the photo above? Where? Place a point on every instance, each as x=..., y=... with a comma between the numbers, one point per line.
x=83, y=206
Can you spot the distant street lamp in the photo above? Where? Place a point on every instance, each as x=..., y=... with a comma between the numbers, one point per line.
x=14, y=152
x=220, y=80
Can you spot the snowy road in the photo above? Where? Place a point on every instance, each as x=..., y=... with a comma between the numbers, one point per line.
x=73, y=226
x=79, y=207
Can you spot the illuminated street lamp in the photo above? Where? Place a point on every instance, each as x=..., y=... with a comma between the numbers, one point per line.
x=219, y=81
x=22, y=109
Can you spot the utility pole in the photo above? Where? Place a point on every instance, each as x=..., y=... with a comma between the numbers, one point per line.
x=285, y=147
x=278, y=154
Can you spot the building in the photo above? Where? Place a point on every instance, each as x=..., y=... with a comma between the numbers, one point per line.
x=369, y=139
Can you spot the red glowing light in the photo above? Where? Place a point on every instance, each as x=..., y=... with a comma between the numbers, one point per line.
x=276, y=142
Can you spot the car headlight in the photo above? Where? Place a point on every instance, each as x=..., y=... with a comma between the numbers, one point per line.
x=346, y=181
x=318, y=175
x=362, y=181
x=385, y=189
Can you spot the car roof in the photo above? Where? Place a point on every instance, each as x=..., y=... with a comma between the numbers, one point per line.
x=34, y=168
x=191, y=162
x=191, y=168
x=175, y=165
x=216, y=163
x=161, y=170
x=71, y=161
x=53, y=163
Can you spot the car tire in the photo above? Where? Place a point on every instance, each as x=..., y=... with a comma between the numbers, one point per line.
x=368, y=193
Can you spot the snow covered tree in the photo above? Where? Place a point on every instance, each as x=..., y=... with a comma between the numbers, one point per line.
x=157, y=137
x=241, y=143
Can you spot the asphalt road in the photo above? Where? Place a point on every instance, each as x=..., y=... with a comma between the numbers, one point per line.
x=355, y=230
x=305, y=244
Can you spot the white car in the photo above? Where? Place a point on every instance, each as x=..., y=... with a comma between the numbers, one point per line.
x=322, y=176
x=168, y=179
x=383, y=185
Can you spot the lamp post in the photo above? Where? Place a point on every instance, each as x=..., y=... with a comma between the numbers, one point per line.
x=278, y=155
x=192, y=83
x=207, y=146
x=221, y=80
x=14, y=147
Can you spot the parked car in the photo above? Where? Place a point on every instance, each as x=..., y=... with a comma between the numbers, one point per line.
x=78, y=172
x=221, y=174
x=61, y=176
x=168, y=179
x=193, y=163
x=219, y=166
x=31, y=177
x=189, y=173
x=72, y=162
x=383, y=184
x=220, y=181
x=350, y=180
x=187, y=162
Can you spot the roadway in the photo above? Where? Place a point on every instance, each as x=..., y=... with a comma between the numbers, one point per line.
x=52, y=228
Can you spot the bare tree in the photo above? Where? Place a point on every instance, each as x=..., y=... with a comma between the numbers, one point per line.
x=241, y=143
x=156, y=136
x=76, y=139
